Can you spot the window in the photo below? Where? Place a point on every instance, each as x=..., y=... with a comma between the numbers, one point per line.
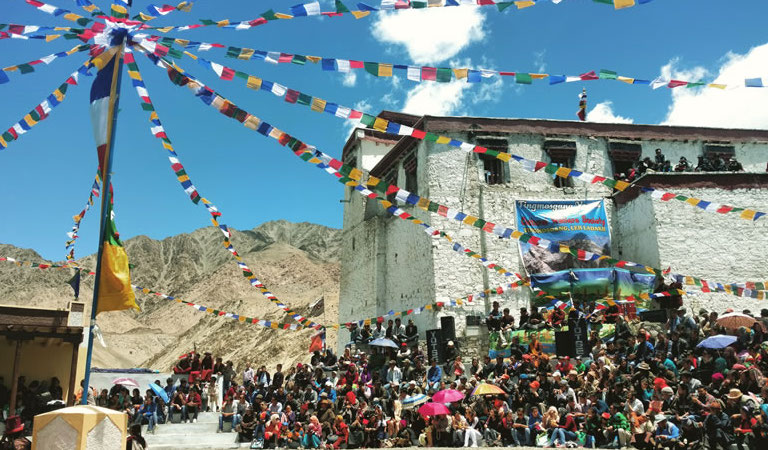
x=410, y=166
x=624, y=155
x=561, y=154
x=717, y=150
x=495, y=171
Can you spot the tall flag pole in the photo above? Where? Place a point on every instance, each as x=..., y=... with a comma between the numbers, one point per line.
x=112, y=288
x=582, y=105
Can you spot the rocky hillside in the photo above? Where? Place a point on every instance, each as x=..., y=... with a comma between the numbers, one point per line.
x=299, y=262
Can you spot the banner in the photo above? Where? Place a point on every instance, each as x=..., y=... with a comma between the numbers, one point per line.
x=72, y=235
x=158, y=53
x=582, y=225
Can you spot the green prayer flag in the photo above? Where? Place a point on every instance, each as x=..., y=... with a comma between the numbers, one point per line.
x=608, y=74
x=340, y=7
x=523, y=78
x=242, y=75
x=304, y=99
x=479, y=223
x=209, y=21
x=299, y=59
x=25, y=68
x=433, y=207
x=372, y=68
x=432, y=137
x=175, y=53
x=147, y=107
x=233, y=52
x=269, y=15
x=444, y=75
x=503, y=5
x=418, y=5
x=35, y=116
x=367, y=120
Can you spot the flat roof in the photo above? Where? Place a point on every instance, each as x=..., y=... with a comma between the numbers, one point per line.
x=547, y=128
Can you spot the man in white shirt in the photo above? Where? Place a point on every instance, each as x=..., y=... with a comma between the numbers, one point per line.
x=248, y=375
x=394, y=374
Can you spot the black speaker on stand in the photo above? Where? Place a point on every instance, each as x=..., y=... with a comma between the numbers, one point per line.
x=448, y=327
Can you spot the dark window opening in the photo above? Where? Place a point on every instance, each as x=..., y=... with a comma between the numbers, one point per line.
x=561, y=154
x=624, y=156
x=410, y=166
x=495, y=171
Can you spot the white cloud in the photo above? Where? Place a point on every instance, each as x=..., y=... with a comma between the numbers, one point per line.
x=350, y=79
x=438, y=99
x=538, y=61
x=431, y=36
x=603, y=113
x=730, y=108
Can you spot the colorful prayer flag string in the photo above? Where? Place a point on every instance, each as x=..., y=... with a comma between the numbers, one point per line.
x=72, y=235
x=434, y=74
x=153, y=11
x=373, y=184
x=41, y=111
x=59, y=12
x=29, y=67
x=379, y=124
x=159, y=132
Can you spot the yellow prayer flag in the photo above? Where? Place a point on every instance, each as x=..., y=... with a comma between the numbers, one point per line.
x=52, y=37
x=360, y=14
x=443, y=140
x=460, y=73
x=748, y=214
x=74, y=17
x=134, y=75
x=524, y=4
x=356, y=174
x=385, y=70
x=538, y=76
x=504, y=157
x=115, y=292
x=692, y=201
x=283, y=16
x=563, y=172
x=252, y=122
x=516, y=234
x=314, y=59
x=222, y=23
x=717, y=86
x=423, y=203
x=165, y=29
x=183, y=178
x=318, y=104
x=626, y=79
x=58, y=94
x=145, y=17
x=245, y=53
x=253, y=82
x=621, y=4
x=622, y=185
x=380, y=124
x=470, y=220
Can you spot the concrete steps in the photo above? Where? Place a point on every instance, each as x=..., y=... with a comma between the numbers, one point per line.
x=201, y=434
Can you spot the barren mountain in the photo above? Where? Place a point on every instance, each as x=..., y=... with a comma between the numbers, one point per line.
x=298, y=262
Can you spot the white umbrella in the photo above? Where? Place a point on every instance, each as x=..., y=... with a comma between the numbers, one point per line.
x=414, y=400
x=127, y=382
x=735, y=320
x=383, y=342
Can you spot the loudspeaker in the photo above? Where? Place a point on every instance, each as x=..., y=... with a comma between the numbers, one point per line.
x=435, y=345
x=448, y=327
x=564, y=344
x=654, y=315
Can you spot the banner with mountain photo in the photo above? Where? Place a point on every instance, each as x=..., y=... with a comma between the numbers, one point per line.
x=579, y=224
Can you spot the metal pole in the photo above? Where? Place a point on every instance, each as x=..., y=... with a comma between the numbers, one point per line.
x=106, y=180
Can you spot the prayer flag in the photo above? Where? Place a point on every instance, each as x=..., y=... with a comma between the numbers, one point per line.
x=115, y=291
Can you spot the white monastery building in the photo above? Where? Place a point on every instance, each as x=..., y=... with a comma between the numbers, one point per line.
x=391, y=264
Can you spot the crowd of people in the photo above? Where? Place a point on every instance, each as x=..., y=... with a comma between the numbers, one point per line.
x=712, y=162
x=640, y=386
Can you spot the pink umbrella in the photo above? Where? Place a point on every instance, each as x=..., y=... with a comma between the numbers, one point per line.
x=434, y=409
x=127, y=382
x=447, y=396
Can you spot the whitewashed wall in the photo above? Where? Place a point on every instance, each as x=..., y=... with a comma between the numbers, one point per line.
x=396, y=266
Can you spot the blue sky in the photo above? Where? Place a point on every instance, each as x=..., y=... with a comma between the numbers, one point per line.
x=46, y=174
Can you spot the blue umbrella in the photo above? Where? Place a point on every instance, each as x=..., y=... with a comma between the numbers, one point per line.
x=160, y=392
x=383, y=342
x=414, y=400
x=719, y=341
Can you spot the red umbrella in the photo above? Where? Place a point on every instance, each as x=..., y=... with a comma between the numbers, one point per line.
x=447, y=396
x=434, y=409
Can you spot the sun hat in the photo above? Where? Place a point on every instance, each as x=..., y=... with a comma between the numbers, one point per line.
x=734, y=394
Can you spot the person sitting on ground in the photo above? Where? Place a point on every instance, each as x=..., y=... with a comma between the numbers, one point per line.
x=494, y=318
x=184, y=365
x=272, y=432
x=659, y=159
x=411, y=333
x=246, y=426
x=147, y=412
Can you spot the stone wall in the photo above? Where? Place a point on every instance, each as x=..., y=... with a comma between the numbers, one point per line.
x=395, y=266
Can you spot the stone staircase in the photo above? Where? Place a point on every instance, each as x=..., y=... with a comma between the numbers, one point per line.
x=201, y=434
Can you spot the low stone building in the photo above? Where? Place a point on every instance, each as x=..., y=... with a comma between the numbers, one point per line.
x=390, y=264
